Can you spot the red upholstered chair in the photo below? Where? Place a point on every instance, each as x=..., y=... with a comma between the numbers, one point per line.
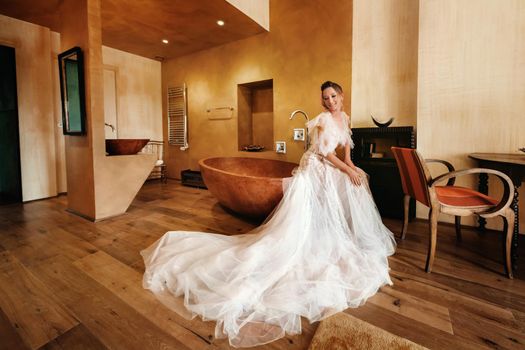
x=449, y=199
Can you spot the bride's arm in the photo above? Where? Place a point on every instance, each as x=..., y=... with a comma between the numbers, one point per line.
x=348, y=160
x=338, y=163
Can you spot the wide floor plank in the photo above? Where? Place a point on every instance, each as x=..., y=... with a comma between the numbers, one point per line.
x=453, y=300
x=116, y=324
x=495, y=336
x=10, y=337
x=29, y=305
x=78, y=338
x=412, y=307
x=126, y=283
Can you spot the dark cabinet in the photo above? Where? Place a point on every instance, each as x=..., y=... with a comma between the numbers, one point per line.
x=372, y=153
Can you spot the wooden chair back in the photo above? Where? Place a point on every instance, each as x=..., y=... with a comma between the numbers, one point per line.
x=415, y=176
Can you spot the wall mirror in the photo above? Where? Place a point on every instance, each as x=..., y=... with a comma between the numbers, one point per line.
x=71, y=68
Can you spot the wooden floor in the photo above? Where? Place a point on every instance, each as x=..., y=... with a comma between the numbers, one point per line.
x=67, y=283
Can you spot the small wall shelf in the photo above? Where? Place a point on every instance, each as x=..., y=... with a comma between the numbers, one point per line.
x=220, y=113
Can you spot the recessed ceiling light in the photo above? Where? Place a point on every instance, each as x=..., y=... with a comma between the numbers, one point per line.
x=165, y=41
x=220, y=22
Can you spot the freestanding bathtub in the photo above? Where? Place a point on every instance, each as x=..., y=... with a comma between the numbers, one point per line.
x=249, y=186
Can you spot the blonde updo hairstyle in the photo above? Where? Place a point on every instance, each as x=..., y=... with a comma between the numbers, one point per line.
x=330, y=84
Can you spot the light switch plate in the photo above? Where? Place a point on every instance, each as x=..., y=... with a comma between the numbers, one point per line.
x=298, y=134
x=280, y=147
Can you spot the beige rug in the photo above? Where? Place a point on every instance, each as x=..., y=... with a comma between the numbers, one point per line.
x=343, y=331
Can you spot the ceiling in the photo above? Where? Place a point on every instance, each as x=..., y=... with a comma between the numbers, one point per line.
x=139, y=26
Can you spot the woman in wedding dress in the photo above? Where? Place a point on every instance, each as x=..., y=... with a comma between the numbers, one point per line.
x=322, y=250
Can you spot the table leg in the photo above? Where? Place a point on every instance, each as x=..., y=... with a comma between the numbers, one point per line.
x=515, y=236
x=483, y=187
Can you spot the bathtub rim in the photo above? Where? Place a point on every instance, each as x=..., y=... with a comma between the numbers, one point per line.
x=202, y=164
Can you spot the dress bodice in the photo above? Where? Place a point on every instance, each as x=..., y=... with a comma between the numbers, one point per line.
x=327, y=134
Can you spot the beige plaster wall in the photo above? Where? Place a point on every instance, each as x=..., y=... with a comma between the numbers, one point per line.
x=118, y=180
x=60, y=153
x=139, y=101
x=309, y=42
x=75, y=31
x=36, y=105
x=471, y=83
x=384, y=62
x=262, y=117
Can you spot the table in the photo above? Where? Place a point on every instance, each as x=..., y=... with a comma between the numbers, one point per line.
x=514, y=166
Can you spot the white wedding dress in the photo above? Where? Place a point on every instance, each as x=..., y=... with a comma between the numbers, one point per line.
x=322, y=250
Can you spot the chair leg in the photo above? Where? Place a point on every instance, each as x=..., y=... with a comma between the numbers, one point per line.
x=432, y=218
x=508, y=227
x=458, y=228
x=406, y=203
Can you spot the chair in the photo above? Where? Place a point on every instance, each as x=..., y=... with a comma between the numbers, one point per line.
x=159, y=170
x=453, y=200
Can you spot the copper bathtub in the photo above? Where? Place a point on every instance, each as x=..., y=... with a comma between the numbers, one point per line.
x=249, y=186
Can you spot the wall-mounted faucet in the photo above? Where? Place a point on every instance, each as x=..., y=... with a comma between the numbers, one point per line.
x=307, y=141
x=111, y=126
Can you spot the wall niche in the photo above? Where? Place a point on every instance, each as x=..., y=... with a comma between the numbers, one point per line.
x=255, y=114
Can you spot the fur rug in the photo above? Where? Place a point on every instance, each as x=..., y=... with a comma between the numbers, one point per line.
x=343, y=331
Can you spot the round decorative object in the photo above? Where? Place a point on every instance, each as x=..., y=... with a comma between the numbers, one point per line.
x=382, y=125
x=253, y=148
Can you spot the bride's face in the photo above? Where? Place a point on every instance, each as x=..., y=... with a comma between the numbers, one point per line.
x=332, y=100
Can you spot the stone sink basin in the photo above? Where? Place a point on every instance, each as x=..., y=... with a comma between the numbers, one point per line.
x=119, y=147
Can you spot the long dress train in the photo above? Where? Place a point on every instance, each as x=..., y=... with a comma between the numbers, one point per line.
x=322, y=250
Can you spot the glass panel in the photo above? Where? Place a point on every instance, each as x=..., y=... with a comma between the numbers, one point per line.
x=72, y=91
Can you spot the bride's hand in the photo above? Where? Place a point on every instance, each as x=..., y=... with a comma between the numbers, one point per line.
x=354, y=176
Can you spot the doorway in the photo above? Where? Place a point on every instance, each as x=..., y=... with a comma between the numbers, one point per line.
x=10, y=175
x=110, y=103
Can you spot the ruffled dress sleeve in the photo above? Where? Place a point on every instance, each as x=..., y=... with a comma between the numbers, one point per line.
x=348, y=133
x=321, y=141
x=326, y=135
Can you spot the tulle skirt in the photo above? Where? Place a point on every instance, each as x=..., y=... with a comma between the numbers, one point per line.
x=322, y=250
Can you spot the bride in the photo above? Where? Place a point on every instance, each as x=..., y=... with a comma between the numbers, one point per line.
x=322, y=250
